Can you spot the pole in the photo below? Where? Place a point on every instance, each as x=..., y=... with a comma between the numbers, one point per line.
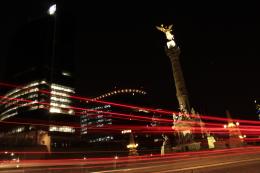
x=53, y=48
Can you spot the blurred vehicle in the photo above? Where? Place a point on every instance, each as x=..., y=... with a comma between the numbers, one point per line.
x=9, y=158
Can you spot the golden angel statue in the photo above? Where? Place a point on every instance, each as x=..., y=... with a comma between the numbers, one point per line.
x=169, y=35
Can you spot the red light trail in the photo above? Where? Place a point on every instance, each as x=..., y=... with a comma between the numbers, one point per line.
x=142, y=161
x=142, y=108
x=128, y=116
x=139, y=118
x=215, y=128
x=215, y=118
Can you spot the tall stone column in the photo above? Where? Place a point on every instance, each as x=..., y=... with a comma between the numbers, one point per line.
x=181, y=92
x=182, y=129
x=173, y=52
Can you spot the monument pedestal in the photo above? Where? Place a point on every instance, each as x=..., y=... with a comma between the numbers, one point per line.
x=194, y=146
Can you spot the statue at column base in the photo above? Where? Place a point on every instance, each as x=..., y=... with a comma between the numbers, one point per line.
x=166, y=147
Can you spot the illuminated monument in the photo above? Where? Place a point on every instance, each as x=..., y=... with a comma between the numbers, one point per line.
x=173, y=52
x=183, y=129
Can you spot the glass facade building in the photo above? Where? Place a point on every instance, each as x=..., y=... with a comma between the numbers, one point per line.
x=107, y=124
x=36, y=108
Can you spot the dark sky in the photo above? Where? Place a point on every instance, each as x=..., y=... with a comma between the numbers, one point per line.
x=116, y=44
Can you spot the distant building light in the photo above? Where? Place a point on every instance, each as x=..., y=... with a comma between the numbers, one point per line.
x=55, y=110
x=60, y=99
x=59, y=93
x=126, y=131
x=71, y=111
x=66, y=74
x=156, y=140
x=43, y=82
x=142, y=110
x=62, y=88
x=131, y=146
x=65, y=129
x=107, y=106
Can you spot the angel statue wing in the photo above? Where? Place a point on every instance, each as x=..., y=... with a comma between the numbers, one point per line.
x=167, y=31
x=164, y=29
x=161, y=28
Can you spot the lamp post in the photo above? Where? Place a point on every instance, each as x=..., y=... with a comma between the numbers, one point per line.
x=52, y=12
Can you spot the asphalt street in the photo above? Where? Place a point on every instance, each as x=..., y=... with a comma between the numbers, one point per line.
x=238, y=160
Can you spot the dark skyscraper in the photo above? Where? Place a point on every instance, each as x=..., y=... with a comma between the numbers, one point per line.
x=40, y=65
x=42, y=45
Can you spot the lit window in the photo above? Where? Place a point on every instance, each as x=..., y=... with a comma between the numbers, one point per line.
x=66, y=74
x=62, y=88
x=71, y=111
x=55, y=110
x=66, y=129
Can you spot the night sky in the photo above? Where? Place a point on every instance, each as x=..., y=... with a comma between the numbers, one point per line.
x=117, y=45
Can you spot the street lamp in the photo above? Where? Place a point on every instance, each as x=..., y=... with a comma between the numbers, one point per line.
x=52, y=12
x=52, y=9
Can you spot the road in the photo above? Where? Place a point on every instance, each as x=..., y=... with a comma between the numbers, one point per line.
x=236, y=160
